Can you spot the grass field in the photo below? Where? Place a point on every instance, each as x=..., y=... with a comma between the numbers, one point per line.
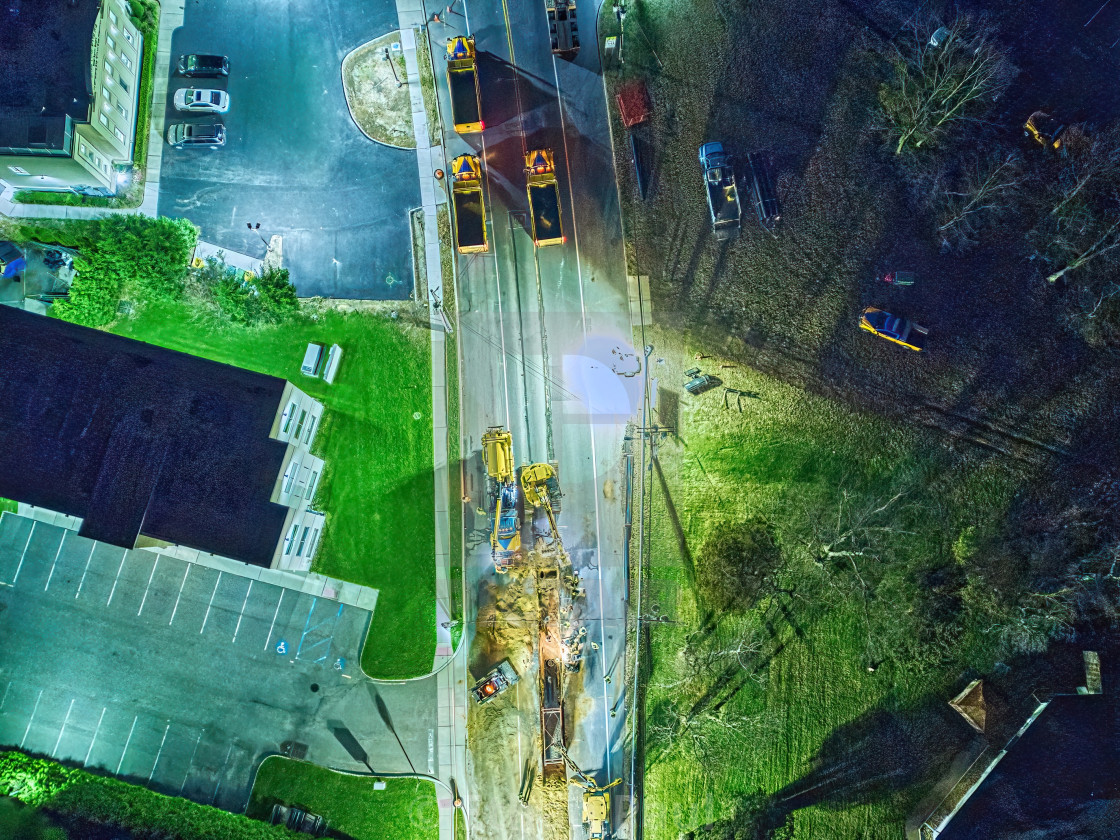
x=405, y=810
x=786, y=454
x=376, y=440
x=454, y=446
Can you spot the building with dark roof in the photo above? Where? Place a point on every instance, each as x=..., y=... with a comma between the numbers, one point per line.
x=69, y=87
x=1060, y=777
x=152, y=447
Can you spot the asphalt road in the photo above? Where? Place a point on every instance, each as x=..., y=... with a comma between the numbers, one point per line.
x=294, y=161
x=183, y=678
x=543, y=331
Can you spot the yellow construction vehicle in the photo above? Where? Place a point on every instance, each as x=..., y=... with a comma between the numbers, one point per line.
x=1044, y=129
x=541, y=489
x=596, y=802
x=505, y=526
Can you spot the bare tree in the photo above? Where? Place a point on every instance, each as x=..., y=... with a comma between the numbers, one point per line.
x=938, y=83
x=987, y=189
x=1081, y=222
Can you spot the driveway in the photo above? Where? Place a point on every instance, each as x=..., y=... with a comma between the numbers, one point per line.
x=181, y=677
x=294, y=161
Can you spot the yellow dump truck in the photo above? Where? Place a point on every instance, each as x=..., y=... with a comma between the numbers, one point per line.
x=470, y=207
x=544, y=198
x=505, y=523
x=462, y=83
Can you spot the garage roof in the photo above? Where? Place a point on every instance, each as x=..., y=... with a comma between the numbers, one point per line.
x=136, y=439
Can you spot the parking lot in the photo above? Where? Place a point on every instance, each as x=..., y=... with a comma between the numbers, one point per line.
x=183, y=677
x=294, y=161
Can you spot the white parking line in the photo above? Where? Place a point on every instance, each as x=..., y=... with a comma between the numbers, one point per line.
x=120, y=568
x=61, y=543
x=5, y=699
x=127, y=741
x=237, y=629
x=208, y=606
x=58, y=740
x=180, y=595
x=160, y=752
x=268, y=638
x=85, y=571
x=25, y=545
x=30, y=719
x=190, y=764
x=143, y=600
x=89, y=752
x=214, y=798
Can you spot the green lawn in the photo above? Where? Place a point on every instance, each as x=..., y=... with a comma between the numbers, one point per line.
x=787, y=454
x=7, y=504
x=376, y=439
x=405, y=810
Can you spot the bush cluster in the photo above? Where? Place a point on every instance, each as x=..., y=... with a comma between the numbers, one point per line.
x=70, y=791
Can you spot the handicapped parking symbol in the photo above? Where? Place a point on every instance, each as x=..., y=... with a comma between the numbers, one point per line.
x=281, y=647
x=339, y=664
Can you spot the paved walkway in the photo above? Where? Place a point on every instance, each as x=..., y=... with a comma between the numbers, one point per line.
x=170, y=19
x=451, y=668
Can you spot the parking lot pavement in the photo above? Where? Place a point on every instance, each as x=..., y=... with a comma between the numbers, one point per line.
x=294, y=161
x=183, y=677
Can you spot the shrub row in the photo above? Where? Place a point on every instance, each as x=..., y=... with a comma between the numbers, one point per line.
x=110, y=802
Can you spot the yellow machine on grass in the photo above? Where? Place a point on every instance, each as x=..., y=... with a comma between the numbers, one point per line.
x=541, y=489
x=505, y=526
x=1046, y=130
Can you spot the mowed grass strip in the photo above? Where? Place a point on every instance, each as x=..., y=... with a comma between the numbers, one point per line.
x=405, y=810
x=376, y=439
x=787, y=453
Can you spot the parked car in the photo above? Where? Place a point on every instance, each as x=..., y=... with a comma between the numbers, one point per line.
x=196, y=134
x=899, y=330
x=208, y=66
x=201, y=101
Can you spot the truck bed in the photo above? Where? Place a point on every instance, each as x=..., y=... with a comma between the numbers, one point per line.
x=469, y=220
x=464, y=95
x=724, y=199
x=544, y=202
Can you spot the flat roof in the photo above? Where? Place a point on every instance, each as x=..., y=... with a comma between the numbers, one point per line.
x=45, y=48
x=137, y=439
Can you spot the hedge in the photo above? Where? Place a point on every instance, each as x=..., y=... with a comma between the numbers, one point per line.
x=71, y=791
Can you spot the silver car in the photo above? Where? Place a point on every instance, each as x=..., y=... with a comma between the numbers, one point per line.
x=201, y=101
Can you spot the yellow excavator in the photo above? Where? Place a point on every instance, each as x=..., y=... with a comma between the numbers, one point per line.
x=596, y=802
x=505, y=531
x=542, y=489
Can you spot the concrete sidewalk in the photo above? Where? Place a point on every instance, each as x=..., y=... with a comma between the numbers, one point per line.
x=170, y=19
x=451, y=668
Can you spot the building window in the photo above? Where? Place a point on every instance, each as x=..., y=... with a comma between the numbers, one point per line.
x=128, y=37
x=314, y=541
x=290, y=477
x=113, y=17
x=108, y=76
x=310, y=431
x=299, y=425
x=104, y=120
x=112, y=44
x=19, y=170
x=303, y=540
x=289, y=416
x=119, y=133
x=290, y=542
x=105, y=92
x=311, y=485
x=122, y=83
x=126, y=61
x=121, y=110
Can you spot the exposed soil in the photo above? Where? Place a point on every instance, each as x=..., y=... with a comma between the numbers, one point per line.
x=378, y=99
